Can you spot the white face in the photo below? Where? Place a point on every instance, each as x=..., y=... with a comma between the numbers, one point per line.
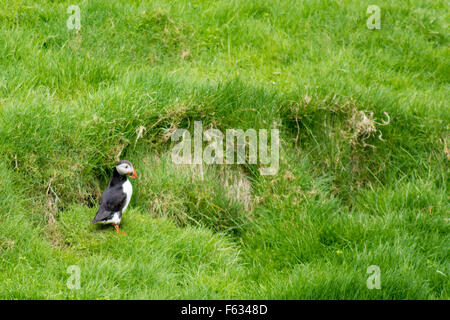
x=125, y=169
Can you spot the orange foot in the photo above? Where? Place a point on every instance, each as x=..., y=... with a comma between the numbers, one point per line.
x=116, y=226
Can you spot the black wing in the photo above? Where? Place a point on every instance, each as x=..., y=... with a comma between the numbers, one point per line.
x=112, y=201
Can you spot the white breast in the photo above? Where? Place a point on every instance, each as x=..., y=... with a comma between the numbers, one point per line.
x=127, y=188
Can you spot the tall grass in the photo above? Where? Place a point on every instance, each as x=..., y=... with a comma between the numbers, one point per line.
x=363, y=180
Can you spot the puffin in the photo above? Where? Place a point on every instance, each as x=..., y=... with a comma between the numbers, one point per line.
x=117, y=196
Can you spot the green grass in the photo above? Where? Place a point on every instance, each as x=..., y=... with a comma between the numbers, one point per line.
x=345, y=197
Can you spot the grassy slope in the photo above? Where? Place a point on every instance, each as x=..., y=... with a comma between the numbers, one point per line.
x=70, y=103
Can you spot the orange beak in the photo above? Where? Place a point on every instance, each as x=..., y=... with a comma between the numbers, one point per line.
x=134, y=176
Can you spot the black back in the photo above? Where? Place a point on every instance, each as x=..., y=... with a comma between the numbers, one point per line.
x=113, y=198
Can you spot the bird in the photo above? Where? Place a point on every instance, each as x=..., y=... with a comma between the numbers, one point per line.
x=117, y=196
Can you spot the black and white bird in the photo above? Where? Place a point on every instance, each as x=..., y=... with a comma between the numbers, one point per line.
x=117, y=196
